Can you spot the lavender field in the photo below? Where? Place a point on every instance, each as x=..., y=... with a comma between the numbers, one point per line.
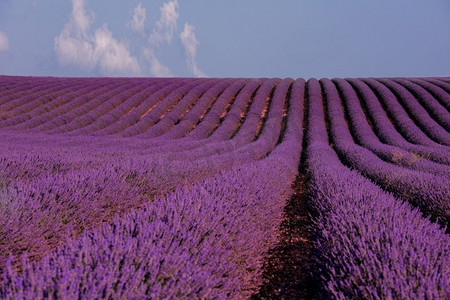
x=182, y=188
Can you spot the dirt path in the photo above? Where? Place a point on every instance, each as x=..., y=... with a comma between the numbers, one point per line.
x=287, y=272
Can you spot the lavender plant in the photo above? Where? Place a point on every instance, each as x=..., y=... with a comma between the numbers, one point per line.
x=136, y=188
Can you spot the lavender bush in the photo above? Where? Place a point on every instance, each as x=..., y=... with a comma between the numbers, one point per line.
x=137, y=188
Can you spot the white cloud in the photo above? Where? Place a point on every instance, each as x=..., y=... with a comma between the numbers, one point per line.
x=75, y=51
x=162, y=32
x=156, y=67
x=80, y=19
x=139, y=15
x=167, y=23
x=76, y=45
x=190, y=43
x=4, y=43
x=96, y=49
x=112, y=56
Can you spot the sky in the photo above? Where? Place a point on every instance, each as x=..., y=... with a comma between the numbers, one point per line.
x=225, y=38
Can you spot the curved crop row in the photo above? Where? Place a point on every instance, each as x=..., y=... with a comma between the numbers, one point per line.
x=175, y=187
x=371, y=245
x=429, y=192
x=140, y=109
x=429, y=101
x=386, y=129
x=364, y=134
x=418, y=113
x=99, y=183
x=232, y=217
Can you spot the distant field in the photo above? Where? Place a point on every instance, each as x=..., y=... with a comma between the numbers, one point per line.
x=135, y=188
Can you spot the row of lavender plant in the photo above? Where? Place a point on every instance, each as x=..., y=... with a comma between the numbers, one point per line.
x=252, y=129
x=23, y=90
x=219, y=110
x=47, y=199
x=438, y=93
x=205, y=241
x=399, y=116
x=148, y=113
x=366, y=137
x=420, y=116
x=150, y=96
x=265, y=138
x=281, y=96
x=71, y=211
x=429, y=192
x=22, y=95
x=140, y=110
x=243, y=98
x=416, y=157
x=47, y=106
x=429, y=101
x=88, y=117
x=37, y=102
x=72, y=122
x=64, y=105
x=169, y=145
x=187, y=121
x=168, y=119
x=235, y=132
x=386, y=130
x=9, y=85
x=212, y=120
x=72, y=119
x=16, y=102
x=440, y=83
x=208, y=125
x=370, y=245
x=54, y=117
x=227, y=128
x=230, y=121
x=236, y=153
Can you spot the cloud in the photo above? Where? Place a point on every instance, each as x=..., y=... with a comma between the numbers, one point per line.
x=112, y=56
x=92, y=49
x=139, y=15
x=190, y=43
x=78, y=46
x=156, y=67
x=167, y=23
x=80, y=19
x=162, y=32
x=4, y=43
